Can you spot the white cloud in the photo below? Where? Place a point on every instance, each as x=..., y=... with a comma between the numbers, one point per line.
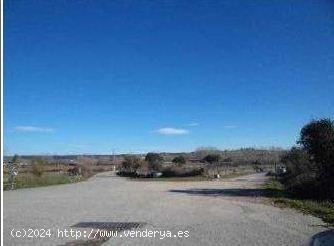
x=230, y=126
x=193, y=124
x=172, y=131
x=33, y=129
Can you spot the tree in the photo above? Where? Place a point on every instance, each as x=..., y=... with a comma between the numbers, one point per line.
x=179, y=160
x=317, y=138
x=154, y=161
x=38, y=167
x=310, y=168
x=297, y=161
x=212, y=158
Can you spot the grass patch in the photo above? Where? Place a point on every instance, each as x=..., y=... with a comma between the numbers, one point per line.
x=322, y=209
x=28, y=180
x=273, y=188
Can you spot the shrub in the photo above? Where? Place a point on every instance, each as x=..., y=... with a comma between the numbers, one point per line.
x=73, y=171
x=85, y=170
x=154, y=161
x=38, y=168
x=131, y=163
x=179, y=160
x=212, y=158
x=181, y=172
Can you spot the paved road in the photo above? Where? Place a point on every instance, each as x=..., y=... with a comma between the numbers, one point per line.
x=214, y=213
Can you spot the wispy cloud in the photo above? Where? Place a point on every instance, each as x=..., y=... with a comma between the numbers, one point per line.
x=230, y=126
x=33, y=129
x=193, y=124
x=172, y=131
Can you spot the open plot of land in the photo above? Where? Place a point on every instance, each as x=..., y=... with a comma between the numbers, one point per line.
x=214, y=212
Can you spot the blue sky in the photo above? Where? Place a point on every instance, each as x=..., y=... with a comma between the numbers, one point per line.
x=136, y=76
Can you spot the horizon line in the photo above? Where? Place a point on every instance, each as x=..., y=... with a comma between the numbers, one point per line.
x=153, y=151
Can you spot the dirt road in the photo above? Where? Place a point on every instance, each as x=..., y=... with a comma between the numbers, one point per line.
x=208, y=213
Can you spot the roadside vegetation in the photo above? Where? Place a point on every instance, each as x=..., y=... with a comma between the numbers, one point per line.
x=280, y=197
x=39, y=173
x=36, y=177
x=308, y=183
x=28, y=180
x=154, y=166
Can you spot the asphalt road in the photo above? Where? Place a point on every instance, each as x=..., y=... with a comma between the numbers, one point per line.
x=208, y=213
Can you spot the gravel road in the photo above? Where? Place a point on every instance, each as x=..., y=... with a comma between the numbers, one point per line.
x=213, y=212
